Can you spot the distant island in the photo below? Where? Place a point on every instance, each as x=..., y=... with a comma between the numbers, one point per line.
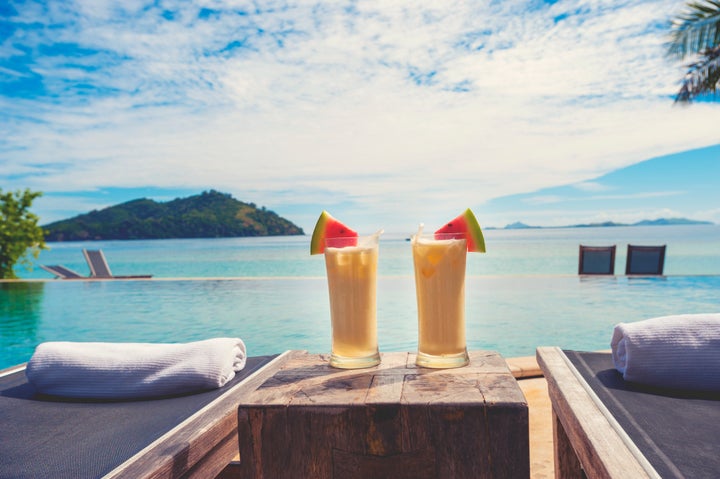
x=658, y=222
x=210, y=214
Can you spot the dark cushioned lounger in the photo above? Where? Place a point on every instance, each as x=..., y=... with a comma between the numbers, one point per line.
x=677, y=432
x=42, y=438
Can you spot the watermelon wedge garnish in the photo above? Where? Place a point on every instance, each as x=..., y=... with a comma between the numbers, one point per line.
x=329, y=227
x=466, y=226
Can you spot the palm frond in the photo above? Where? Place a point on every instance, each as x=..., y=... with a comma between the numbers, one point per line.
x=702, y=77
x=696, y=29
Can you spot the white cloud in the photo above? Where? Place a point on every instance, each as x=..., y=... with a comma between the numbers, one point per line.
x=708, y=214
x=590, y=186
x=635, y=196
x=402, y=109
x=544, y=199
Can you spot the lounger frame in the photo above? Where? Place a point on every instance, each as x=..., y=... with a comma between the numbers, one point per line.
x=586, y=436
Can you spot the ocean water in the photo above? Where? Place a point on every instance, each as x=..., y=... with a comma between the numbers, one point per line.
x=524, y=293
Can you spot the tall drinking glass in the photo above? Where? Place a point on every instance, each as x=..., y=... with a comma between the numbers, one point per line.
x=352, y=283
x=439, y=261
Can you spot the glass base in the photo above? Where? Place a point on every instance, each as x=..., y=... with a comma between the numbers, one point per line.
x=344, y=362
x=444, y=361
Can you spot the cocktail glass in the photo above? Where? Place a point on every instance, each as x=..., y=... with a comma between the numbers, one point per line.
x=351, y=265
x=439, y=261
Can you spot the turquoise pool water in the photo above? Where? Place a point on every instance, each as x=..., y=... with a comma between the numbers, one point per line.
x=524, y=293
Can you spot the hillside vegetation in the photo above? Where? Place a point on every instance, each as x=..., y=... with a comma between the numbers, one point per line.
x=208, y=215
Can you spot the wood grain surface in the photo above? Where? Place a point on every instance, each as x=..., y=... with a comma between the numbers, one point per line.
x=393, y=420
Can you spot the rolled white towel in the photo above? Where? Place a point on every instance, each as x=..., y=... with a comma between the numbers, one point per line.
x=678, y=352
x=133, y=370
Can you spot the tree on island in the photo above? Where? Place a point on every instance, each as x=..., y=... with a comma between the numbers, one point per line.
x=696, y=32
x=20, y=235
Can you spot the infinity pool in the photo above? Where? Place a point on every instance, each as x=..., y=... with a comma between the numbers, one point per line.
x=509, y=314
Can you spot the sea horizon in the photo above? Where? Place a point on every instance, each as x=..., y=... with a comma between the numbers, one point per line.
x=523, y=293
x=692, y=249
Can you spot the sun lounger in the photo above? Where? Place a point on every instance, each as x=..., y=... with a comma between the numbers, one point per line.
x=596, y=260
x=606, y=427
x=182, y=436
x=645, y=260
x=61, y=272
x=99, y=267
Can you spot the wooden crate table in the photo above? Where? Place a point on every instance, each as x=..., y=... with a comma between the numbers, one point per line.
x=393, y=420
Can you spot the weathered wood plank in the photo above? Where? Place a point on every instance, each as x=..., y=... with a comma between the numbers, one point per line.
x=412, y=465
x=392, y=420
x=202, y=445
x=215, y=460
x=231, y=471
x=508, y=435
x=567, y=464
x=597, y=443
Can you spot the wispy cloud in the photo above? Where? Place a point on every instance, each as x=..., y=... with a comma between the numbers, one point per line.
x=550, y=199
x=591, y=186
x=392, y=109
x=634, y=196
x=544, y=199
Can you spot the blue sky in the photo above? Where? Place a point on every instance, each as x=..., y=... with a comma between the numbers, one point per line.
x=385, y=113
x=679, y=185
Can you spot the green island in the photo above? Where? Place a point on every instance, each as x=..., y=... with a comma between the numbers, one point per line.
x=211, y=214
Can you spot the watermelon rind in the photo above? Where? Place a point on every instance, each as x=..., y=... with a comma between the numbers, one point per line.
x=317, y=243
x=466, y=224
x=474, y=232
x=324, y=223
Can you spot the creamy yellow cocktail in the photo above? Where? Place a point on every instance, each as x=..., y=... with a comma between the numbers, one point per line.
x=352, y=284
x=440, y=289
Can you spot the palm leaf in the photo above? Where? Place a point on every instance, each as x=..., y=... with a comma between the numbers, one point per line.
x=696, y=29
x=702, y=76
